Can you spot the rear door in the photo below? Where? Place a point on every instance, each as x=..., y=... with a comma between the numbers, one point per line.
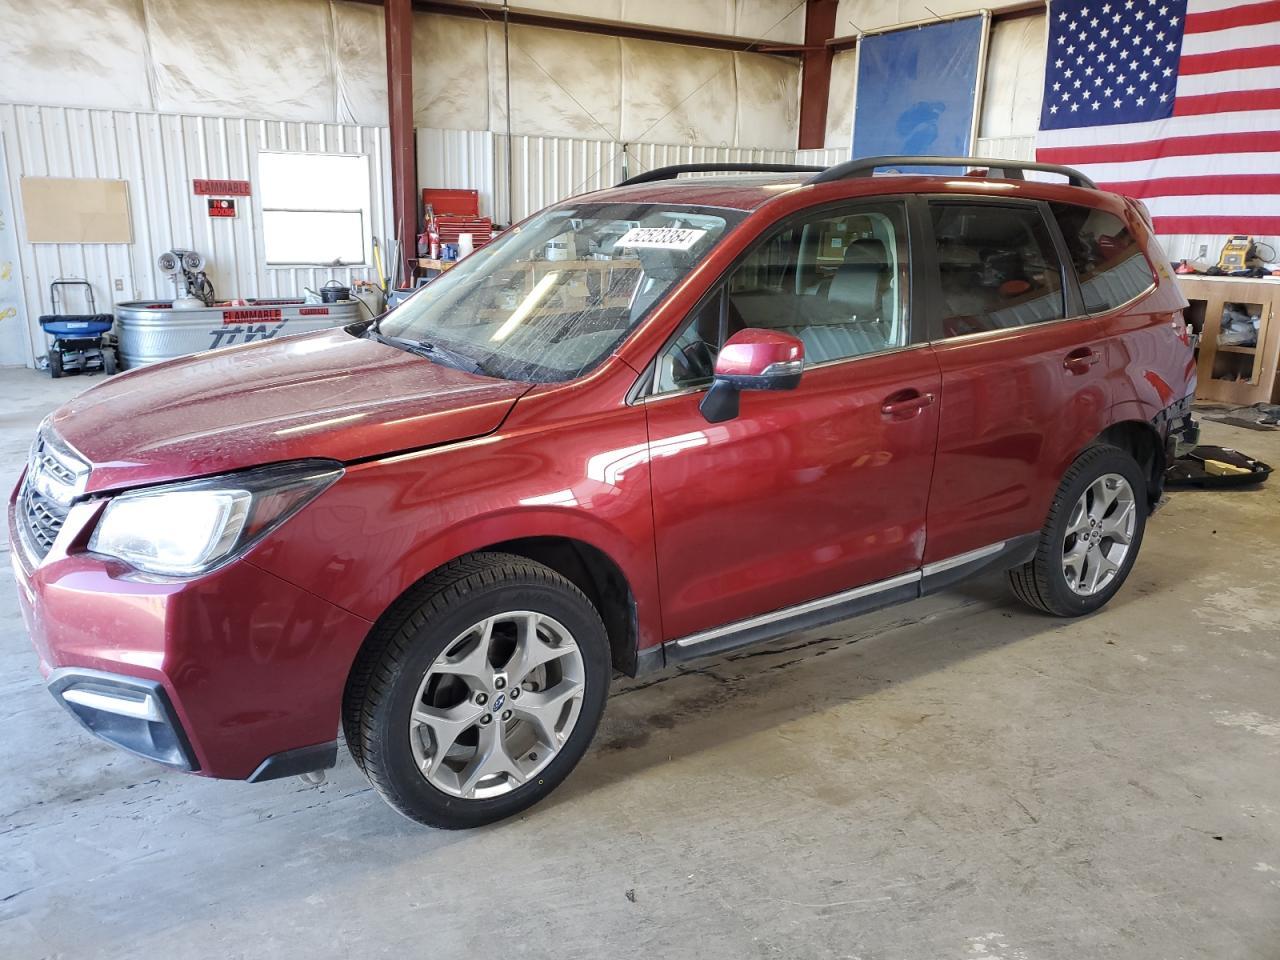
x=808, y=492
x=1023, y=389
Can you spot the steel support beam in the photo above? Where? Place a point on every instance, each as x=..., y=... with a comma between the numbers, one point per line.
x=815, y=81
x=404, y=179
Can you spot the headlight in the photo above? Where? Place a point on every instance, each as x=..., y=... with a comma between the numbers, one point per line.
x=182, y=529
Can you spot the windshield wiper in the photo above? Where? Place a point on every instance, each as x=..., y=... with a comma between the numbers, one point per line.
x=433, y=351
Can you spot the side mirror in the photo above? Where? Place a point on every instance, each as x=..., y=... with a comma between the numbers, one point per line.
x=752, y=359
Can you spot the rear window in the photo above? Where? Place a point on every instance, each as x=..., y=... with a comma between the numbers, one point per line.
x=1108, y=261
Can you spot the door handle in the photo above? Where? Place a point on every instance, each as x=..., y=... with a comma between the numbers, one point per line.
x=1080, y=360
x=905, y=404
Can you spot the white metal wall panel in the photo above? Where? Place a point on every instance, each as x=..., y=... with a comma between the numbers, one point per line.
x=824, y=158
x=549, y=169
x=459, y=160
x=1008, y=148
x=159, y=155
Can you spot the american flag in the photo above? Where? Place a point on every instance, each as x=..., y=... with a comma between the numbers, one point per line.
x=1175, y=102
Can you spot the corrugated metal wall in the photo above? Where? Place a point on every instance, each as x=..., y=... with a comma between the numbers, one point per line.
x=159, y=155
x=548, y=169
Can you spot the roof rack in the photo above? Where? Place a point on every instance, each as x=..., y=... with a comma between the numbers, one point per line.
x=1003, y=169
x=673, y=171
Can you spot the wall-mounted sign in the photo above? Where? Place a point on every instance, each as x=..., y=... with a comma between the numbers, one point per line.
x=227, y=188
x=221, y=207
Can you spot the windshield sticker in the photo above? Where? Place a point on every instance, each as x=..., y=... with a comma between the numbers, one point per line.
x=660, y=238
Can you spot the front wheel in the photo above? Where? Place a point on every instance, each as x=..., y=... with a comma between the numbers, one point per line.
x=481, y=692
x=1091, y=539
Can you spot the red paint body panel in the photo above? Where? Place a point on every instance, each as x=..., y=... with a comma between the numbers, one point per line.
x=563, y=464
x=806, y=493
x=325, y=394
x=253, y=665
x=1012, y=420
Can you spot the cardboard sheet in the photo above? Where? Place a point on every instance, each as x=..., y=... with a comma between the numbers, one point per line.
x=74, y=210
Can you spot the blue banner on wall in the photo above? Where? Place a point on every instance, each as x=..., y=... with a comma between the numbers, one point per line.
x=917, y=90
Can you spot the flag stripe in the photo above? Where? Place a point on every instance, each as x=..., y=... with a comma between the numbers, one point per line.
x=1226, y=226
x=1257, y=78
x=1194, y=166
x=1232, y=184
x=1262, y=142
x=1247, y=15
x=1214, y=206
x=1239, y=38
x=1197, y=64
x=1229, y=102
x=1158, y=129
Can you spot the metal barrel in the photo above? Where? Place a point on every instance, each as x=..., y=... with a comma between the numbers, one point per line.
x=152, y=330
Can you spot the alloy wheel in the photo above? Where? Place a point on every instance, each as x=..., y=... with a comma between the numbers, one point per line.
x=497, y=705
x=1099, y=534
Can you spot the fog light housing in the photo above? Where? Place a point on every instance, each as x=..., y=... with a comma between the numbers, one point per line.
x=129, y=712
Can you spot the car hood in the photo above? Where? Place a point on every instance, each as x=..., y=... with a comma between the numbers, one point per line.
x=327, y=394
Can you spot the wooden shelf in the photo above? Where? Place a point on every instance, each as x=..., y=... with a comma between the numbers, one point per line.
x=1245, y=375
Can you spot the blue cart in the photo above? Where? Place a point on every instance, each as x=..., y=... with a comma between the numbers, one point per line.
x=80, y=343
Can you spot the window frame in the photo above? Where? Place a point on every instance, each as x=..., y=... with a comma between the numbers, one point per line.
x=365, y=213
x=645, y=386
x=1073, y=302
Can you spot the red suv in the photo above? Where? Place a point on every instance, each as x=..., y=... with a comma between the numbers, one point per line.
x=648, y=424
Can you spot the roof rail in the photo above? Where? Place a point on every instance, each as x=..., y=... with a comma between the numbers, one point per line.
x=673, y=171
x=1003, y=169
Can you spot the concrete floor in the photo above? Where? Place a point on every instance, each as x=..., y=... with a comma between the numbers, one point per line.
x=959, y=779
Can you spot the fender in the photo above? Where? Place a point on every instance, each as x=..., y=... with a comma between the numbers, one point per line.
x=388, y=523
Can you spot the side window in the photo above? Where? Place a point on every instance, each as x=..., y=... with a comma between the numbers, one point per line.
x=998, y=267
x=1108, y=261
x=838, y=281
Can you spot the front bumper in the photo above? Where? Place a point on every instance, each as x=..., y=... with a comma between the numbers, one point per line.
x=237, y=674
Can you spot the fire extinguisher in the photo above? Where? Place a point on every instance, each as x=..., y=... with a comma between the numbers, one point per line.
x=433, y=233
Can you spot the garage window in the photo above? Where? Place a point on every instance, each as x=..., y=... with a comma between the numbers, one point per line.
x=315, y=208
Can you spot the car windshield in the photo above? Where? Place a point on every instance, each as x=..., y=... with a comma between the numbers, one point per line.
x=551, y=298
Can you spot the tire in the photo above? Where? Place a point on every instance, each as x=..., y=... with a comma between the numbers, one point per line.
x=1046, y=581
x=55, y=364
x=109, y=364
x=416, y=654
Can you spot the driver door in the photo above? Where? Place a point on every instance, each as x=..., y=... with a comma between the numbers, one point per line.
x=808, y=492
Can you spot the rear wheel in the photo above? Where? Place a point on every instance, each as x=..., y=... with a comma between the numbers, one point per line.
x=1091, y=539
x=480, y=694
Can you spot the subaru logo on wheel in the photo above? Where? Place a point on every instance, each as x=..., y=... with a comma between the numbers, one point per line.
x=498, y=701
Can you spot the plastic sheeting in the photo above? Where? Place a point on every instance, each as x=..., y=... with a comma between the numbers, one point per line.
x=243, y=58
x=1015, y=77
x=840, y=98
x=859, y=16
x=917, y=90
x=324, y=61
x=62, y=55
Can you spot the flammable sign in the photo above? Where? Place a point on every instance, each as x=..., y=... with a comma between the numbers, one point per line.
x=222, y=207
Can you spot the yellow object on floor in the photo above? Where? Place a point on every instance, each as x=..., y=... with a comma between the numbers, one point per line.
x=1219, y=469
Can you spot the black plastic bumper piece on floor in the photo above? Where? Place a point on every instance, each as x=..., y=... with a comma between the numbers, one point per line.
x=294, y=763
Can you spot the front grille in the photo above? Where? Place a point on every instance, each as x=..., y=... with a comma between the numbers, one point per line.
x=55, y=478
x=42, y=520
x=56, y=468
